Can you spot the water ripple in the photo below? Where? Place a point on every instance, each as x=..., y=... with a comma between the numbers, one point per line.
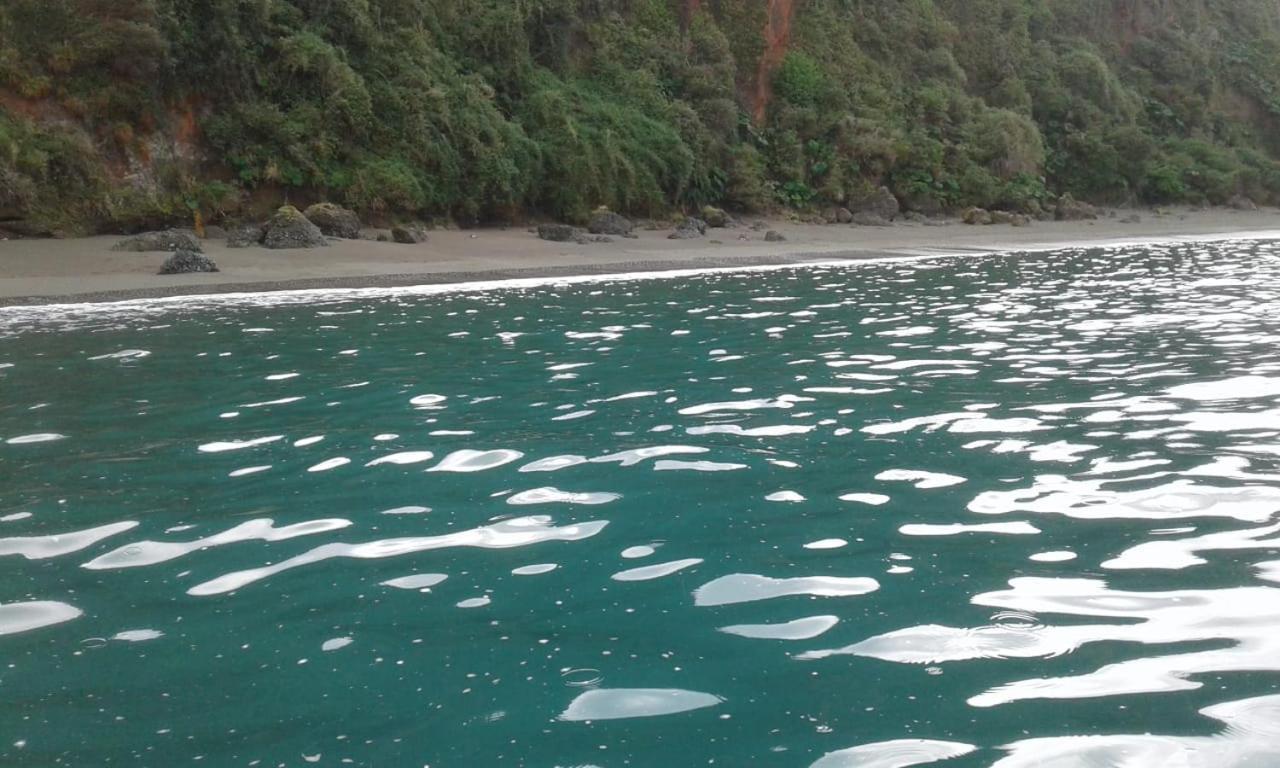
x=1063, y=468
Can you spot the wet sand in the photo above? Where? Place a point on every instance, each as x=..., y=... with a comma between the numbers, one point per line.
x=86, y=269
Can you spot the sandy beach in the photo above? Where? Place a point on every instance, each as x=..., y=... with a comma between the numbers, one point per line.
x=86, y=269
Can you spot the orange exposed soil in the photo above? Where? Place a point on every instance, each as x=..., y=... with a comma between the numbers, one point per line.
x=777, y=38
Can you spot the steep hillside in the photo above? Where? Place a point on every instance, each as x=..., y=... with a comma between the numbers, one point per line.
x=119, y=114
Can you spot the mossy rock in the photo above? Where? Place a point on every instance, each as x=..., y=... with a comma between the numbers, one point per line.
x=716, y=218
x=334, y=220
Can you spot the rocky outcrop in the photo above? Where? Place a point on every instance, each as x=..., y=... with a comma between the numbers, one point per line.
x=186, y=262
x=168, y=240
x=774, y=236
x=689, y=229
x=1070, y=209
x=409, y=234
x=289, y=229
x=334, y=220
x=880, y=203
x=606, y=222
x=976, y=215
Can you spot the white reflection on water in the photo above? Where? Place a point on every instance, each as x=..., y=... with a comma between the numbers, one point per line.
x=1248, y=618
x=143, y=553
x=43, y=547
x=1251, y=739
x=25, y=617
x=625, y=703
x=519, y=532
x=902, y=753
x=749, y=587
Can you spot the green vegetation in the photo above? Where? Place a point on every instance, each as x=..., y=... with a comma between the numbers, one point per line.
x=131, y=113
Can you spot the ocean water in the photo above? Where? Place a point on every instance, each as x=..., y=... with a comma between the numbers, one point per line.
x=1004, y=510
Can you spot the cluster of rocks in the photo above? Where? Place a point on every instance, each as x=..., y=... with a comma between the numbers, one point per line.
x=1070, y=209
x=566, y=233
x=288, y=228
x=187, y=255
x=984, y=217
x=604, y=225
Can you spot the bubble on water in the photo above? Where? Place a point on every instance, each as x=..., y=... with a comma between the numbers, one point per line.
x=582, y=678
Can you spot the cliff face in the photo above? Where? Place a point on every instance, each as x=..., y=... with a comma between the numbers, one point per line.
x=129, y=113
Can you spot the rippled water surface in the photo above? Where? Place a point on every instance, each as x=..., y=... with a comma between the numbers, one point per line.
x=1013, y=511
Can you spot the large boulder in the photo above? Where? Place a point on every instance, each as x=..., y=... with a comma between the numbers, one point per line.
x=168, y=240
x=334, y=220
x=246, y=236
x=689, y=229
x=976, y=216
x=839, y=215
x=880, y=203
x=1070, y=209
x=606, y=222
x=409, y=234
x=185, y=262
x=774, y=236
x=558, y=233
x=288, y=228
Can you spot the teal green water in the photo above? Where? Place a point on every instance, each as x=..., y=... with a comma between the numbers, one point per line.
x=1014, y=511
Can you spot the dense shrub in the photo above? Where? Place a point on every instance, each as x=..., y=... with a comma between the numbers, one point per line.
x=124, y=112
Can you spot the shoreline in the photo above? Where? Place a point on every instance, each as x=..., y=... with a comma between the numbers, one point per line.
x=85, y=270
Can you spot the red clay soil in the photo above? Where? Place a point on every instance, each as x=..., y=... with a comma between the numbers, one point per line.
x=777, y=38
